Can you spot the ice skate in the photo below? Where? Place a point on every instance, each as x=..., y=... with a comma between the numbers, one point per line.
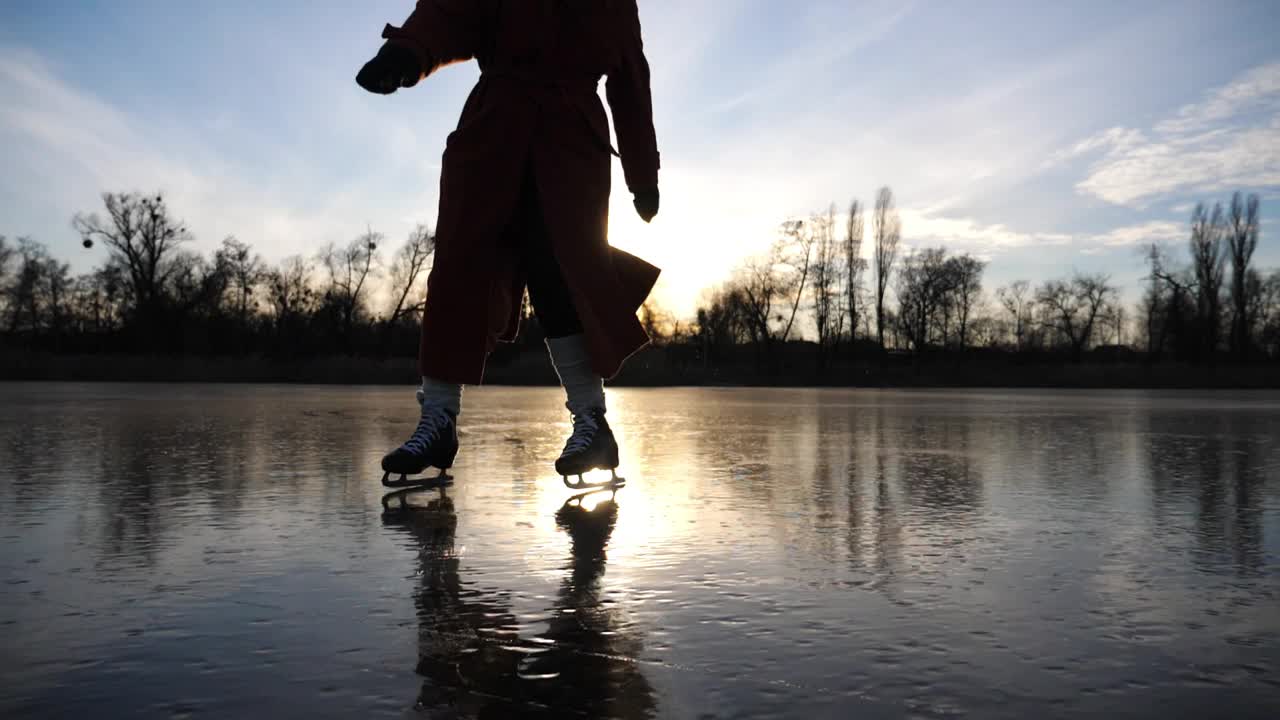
x=433, y=444
x=590, y=447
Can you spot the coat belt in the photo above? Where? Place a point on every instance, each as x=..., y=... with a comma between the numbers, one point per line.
x=564, y=86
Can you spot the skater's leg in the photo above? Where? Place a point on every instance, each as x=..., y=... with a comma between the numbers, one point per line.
x=591, y=445
x=434, y=442
x=548, y=292
x=583, y=387
x=553, y=306
x=436, y=393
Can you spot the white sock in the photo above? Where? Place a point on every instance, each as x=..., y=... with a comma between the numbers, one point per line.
x=572, y=363
x=440, y=394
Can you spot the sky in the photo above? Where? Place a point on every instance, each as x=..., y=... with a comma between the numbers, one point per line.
x=1042, y=137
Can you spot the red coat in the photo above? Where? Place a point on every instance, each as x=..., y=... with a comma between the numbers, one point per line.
x=536, y=103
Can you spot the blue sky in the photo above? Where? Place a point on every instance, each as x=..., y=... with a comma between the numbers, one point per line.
x=1044, y=137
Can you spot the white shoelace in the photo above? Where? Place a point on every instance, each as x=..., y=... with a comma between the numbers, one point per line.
x=584, y=431
x=433, y=421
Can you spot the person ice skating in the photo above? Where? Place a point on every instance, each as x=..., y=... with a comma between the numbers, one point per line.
x=524, y=197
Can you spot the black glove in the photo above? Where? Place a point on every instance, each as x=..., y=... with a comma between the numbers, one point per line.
x=646, y=202
x=394, y=67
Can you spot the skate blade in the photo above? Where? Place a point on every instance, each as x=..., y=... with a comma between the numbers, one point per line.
x=579, y=501
x=612, y=483
x=444, y=479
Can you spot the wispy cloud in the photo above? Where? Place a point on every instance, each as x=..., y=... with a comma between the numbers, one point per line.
x=966, y=234
x=83, y=145
x=1111, y=140
x=1231, y=139
x=1256, y=91
x=1155, y=231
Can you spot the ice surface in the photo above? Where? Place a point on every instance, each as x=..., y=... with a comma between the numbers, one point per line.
x=220, y=550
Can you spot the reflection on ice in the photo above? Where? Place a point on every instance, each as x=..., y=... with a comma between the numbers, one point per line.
x=224, y=549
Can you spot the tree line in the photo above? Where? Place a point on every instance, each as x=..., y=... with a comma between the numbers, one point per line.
x=151, y=294
x=929, y=302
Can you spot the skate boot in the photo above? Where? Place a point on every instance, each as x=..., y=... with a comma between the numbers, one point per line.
x=590, y=447
x=433, y=444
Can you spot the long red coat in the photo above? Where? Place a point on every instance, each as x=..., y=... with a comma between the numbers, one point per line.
x=536, y=105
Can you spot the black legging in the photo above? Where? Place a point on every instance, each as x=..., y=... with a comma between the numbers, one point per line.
x=552, y=303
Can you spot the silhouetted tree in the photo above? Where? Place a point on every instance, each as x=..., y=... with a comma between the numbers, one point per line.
x=6, y=257
x=38, y=295
x=1242, y=237
x=758, y=284
x=661, y=326
x=1016, y=300
x=796, y=247
x=1074, y=308
x=408, y=268
x=825, y=288
x=290, y=294
x=1207, y=261
x=923, y=285
x=242, y=272
x=1265, y=307
x=99, y=300
x=965, y=284
x=347, y=271
x=151, y=295
x=141, y=237
x=721, y=323
x=887, y=230
x=195, y=285
x=1173, y=294
x=851, y=253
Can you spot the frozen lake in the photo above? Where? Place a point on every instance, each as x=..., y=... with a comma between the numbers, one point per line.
x=220, y=551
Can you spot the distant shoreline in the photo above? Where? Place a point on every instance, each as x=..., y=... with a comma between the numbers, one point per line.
x=648, y=369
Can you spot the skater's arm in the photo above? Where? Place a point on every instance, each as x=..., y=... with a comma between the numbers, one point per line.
x=439, y=32
x=627, y=90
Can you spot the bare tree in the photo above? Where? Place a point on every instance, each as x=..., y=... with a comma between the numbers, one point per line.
x=721, y=322
x=1117, y=319
x=289, y=290
x=1173, y=295
x=195, y=286
x=244, y=272
x=887, y=229
x=797, y=249
x=143, y=238
x=1207, y=260
x=409, y=266
x=22, y=292
x=966, y=291
x=99, y=299
x=658, y=322
x=924, y=281
x=348, y=269
x=1242, y=235
x=853, y=267
x=825, y=288
x=1073, y=309
x=6, y=256
x=1265, y=308
x=1016, y=300
x=1152, y=303
x=37, y=297
x=760, y=286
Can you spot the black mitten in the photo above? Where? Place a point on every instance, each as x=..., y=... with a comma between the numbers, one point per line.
x=646, y=202
x=394, y=67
